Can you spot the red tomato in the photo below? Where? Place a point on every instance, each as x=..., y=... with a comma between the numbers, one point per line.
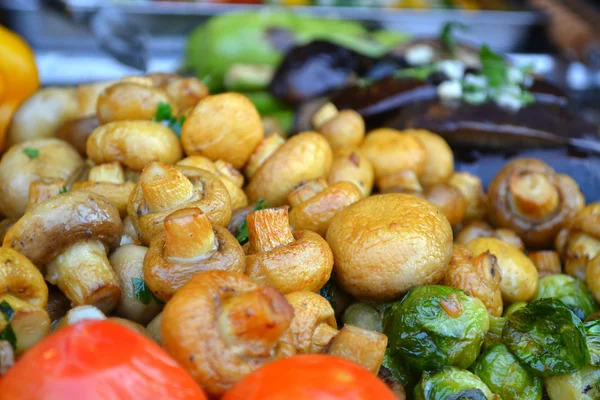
x=310, y=377
x=97, y=360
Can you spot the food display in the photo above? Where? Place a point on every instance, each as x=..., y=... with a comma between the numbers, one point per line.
x=164, y=238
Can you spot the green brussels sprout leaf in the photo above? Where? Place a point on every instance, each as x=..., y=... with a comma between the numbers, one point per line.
x=452, y=384
x=572, y=292
x=494, y=335
x=592, y=330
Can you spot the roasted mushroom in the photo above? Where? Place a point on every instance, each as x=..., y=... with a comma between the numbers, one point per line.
x=70, y=234
x=449, y=201
x=351, y=165
x=188, y=246
x=77, y=131
x=221, y=326
x=42, y=189
x=471, y=188
x=479, y=229
x=405, y=181
x=289, y=262
x=163, y=189
x=439, y=164
x=342, y=129
x=387, y=244
x=547, y=262
x=28, y=162
x=528, y=197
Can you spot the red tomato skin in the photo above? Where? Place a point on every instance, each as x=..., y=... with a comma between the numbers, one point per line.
x=310, y=377
x=97, y=360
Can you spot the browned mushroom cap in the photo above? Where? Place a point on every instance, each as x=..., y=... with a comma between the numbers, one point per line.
x=477, y=276
x=42, y=189
x=439, y=164
x=391, y=151
x=471, y=188
x=360, y=345
x=262, y=151
x=341, y=128
x=479, y=229
x=225, y=126
x=186, y=92
x=528, y=197
x=546, y=262
x=189, y=245
x=405, y=181
x=28, y=162
x=134, y=144
x=351, y=165
x=315, y=204
x=304, y=157
x=163, y=189
x=449, y=201
x=314, y=324
x=77, y=131
x=384, y=245
x=288, y=262
x=6, y=224
x=221, y=326
x=87, y=97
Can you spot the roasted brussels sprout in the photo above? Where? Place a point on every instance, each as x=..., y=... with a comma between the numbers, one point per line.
x=452, y=383
x=547, y=338
x=573, y=292
x=505, y=376
x=592, y=335
x=494, y=334
x=581, y=385
x=400, y=371
x=436, y=326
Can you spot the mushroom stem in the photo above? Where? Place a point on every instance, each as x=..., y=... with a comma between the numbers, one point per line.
x=533, y=195
x=189, y=236
x=29, y=323
x=42, y=189
x=268, y=229
x=227, y=170
x=83, y=273
x=262, y=152
x=321, y=337
x=110, y=172
x=164, y=187
x=360, y=345
x=306, y=191
x=405, y=181
x=252, y=322
x=324, y=114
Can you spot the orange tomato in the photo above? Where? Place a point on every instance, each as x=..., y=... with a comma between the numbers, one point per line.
x=97, y=360
x=310, y=377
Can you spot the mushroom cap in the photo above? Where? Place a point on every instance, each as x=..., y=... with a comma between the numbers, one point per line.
x=303, y=157
x=116, y=193
x=77, y=131
x=304, y=264
x=587, y=221
x=391, y=151
x=519, y=275
x=134, y=144
x=165, y=278
x=225, y=126
x=439, y=164
x=61, y=221
x=55, y=159
x=20, y=278
x=384, y=245
x=350, y=164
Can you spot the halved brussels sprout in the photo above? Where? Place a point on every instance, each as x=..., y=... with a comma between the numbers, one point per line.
x=452, y=384
x=581, y=385
x=592, y=335
x=547, y=338
x=436, y=326
x=494, y=334
x=571, y=291
x=503, y=374
x=512, y=308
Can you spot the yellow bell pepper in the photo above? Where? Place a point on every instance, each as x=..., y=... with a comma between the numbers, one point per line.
x=18, y=76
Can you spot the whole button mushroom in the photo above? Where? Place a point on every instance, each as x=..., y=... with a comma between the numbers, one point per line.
x=351, y=165
x=528, y=197
x=439, y=164
x=23, y=298
x=471, y=188
x=341, y=128
x=189, y=245
x=289, y=262
x=163, y=189
x=314, y=204
x=29, y=161
x=385, y=245
x=70, y=234
x=134, y=144
x=262, y=151
x=303, y=157
x=479, y=229
x=225, y=126
x=221, y=326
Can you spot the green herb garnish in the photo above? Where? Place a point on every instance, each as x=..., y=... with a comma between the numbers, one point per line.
x=62, y=190
x=242, y=231
x=8, y=333
x=164, y=114
x=421, y=73
x=7, y=311
x=31, y=153
x=493, y=67
x=142, y=292
x=447, y=35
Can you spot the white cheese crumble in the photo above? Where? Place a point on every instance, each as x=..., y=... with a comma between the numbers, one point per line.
x=450, y=90
x=476, y=81
x=420, y=54
x=453, y=69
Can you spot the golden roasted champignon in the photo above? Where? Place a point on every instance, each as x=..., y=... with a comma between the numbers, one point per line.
x=30, y=161
x=314, y=204
x=579, y=243
x=547, y=262
x=519, y=275
x=42, y=189
x=303, y=157
x=163, y=189
x=224, y=127
x=405, y=181
x=186, y=92
x=449, y=201
x=289, y=262
x=391, y=151
x=471, y=188
x=592, y=277
x=128, y=233
x=385, y=245
x=479, y=229
x=108, y=180
x=351, y=165
x=265, y=148
x=439, y=164
x=23, y=290
x=221, y=326
x=77, y=131
x=189, y=245
x=5, y=225
x=71, y=234
x=342, y=129
x=133, y=144
x=477, y=276
x=360, y=345
x=528, y=197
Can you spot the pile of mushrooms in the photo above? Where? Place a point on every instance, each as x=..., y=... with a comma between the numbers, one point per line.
x=224, y=245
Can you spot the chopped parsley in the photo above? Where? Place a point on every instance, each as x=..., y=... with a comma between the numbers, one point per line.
x=242, y=232
x=31, y=153
x=164, y=114
x=142, y=292
x=8, y=333
x=494, y=67
x=62, y=190
x=447, y=35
